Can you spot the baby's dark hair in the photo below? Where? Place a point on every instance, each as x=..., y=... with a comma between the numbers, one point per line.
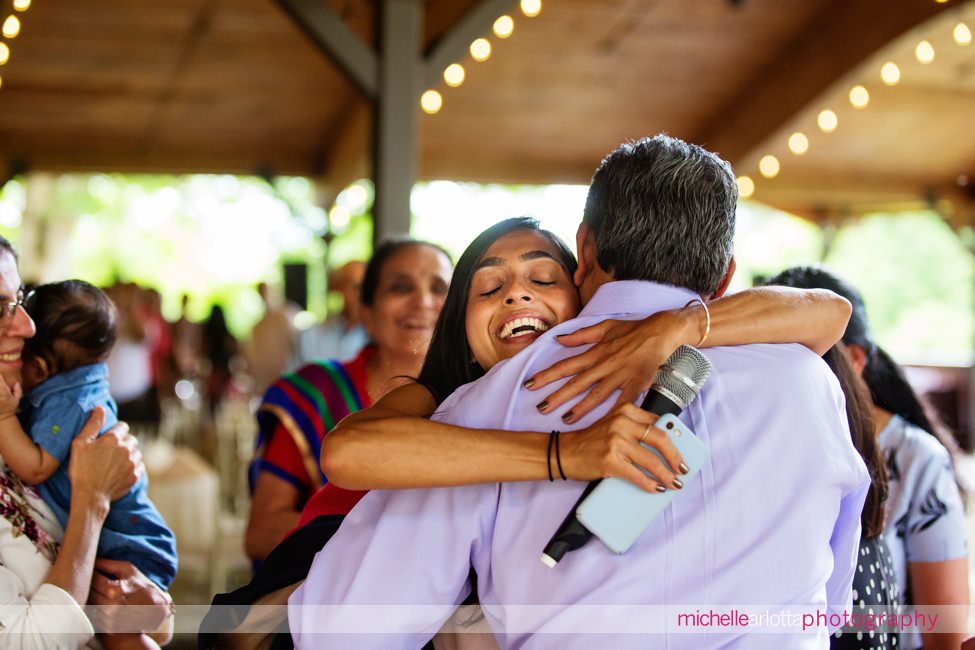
x=76, y=324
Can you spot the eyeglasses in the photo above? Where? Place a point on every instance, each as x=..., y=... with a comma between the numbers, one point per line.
x=9, y=309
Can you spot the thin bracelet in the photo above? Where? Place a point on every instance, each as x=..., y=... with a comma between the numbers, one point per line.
x=558, y=457
x=707, y=319
x=548, y=456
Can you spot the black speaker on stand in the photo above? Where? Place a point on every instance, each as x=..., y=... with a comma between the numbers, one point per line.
x=296, y=284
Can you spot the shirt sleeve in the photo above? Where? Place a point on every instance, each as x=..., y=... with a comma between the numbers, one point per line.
x=49, y=619
x=845, y=544
x=936, y=517
x=396, y=569
x=54, y=427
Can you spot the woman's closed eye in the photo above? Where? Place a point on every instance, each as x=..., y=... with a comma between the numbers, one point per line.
x=487, y=294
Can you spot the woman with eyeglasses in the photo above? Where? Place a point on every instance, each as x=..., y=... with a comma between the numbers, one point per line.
x=49, y=573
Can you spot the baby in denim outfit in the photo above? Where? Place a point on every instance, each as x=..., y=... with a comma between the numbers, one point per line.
x=65, y=377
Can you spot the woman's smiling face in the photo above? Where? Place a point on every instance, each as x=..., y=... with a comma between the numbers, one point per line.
x=519, y=291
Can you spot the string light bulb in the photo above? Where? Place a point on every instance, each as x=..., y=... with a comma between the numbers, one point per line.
x=746, y=187
x=4, y=53
x=859, y=96
x=481, y=50
x=504, y=26
x=1, y=82
x=827, y=121
x=962, y=34
x=531, y=8
x=431, y=102
x=890, y=73
x=21, y=5
x=454, y=75
x=924, y=52
x=11, y=26
x=798, y=143
x=769, y=166
x=339, y=217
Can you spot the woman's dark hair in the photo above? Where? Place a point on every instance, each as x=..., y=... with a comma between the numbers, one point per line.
x=888, y=386
x=218, y=343
x=860, y=417
x=76, y=324
x=5, y=245
x=449, y=363
x=385, y=250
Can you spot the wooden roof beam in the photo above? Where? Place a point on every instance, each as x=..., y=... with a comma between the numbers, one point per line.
x=357, y=60
x=845, y=34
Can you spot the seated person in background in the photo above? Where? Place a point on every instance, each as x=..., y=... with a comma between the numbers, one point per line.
x=65, y=377
x=402, y=292
x=925, y=526
x=340, y=336
x=773, y=519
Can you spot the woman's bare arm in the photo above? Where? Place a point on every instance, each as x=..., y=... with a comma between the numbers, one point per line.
x=816, y=318
x=101, y=469
x=392, y=444
x=627, y=354
x=274, y=513
x=943, y=584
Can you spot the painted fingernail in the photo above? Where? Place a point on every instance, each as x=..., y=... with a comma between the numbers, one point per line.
x=529, y=383
x=678, y=484
x=684, y=469
x=542, y=405
x=661, y=488
x=567, y=417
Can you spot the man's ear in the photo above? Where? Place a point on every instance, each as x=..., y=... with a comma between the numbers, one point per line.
x=726, y=280
x=585, y=250
x=857, y=356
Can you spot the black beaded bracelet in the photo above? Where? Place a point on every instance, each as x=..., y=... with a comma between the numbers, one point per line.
x=558, y=457
x=548, y=456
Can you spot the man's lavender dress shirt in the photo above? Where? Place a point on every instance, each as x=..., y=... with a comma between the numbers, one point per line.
x=772, y=519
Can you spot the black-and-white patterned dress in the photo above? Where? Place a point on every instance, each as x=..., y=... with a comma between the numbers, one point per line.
x=874, y=593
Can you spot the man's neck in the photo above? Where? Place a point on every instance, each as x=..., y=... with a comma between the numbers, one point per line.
x=591, y=283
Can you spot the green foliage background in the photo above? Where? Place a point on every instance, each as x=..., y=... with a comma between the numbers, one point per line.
x=215, y=237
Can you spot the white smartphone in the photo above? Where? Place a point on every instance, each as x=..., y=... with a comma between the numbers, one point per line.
x=617, y=511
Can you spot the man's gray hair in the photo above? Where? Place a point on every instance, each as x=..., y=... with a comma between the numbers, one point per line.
x=663, y=210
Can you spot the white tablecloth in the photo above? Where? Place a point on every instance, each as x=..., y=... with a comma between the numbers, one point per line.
x=186, y=490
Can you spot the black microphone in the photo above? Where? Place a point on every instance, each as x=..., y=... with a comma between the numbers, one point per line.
x=676, y=385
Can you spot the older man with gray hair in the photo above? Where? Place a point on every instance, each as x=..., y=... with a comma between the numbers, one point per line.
x=772, y=520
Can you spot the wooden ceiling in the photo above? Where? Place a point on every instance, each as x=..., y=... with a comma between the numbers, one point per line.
x=235, y=86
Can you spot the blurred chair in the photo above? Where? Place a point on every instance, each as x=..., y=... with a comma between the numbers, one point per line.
x=206, y=507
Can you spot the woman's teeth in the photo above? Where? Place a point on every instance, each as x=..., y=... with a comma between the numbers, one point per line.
x=417, y=325
x=10, y=357
x=522, y=325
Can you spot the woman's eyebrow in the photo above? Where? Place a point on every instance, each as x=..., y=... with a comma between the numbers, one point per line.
x=525, y=257
x=536, y=255
x=489, y=261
